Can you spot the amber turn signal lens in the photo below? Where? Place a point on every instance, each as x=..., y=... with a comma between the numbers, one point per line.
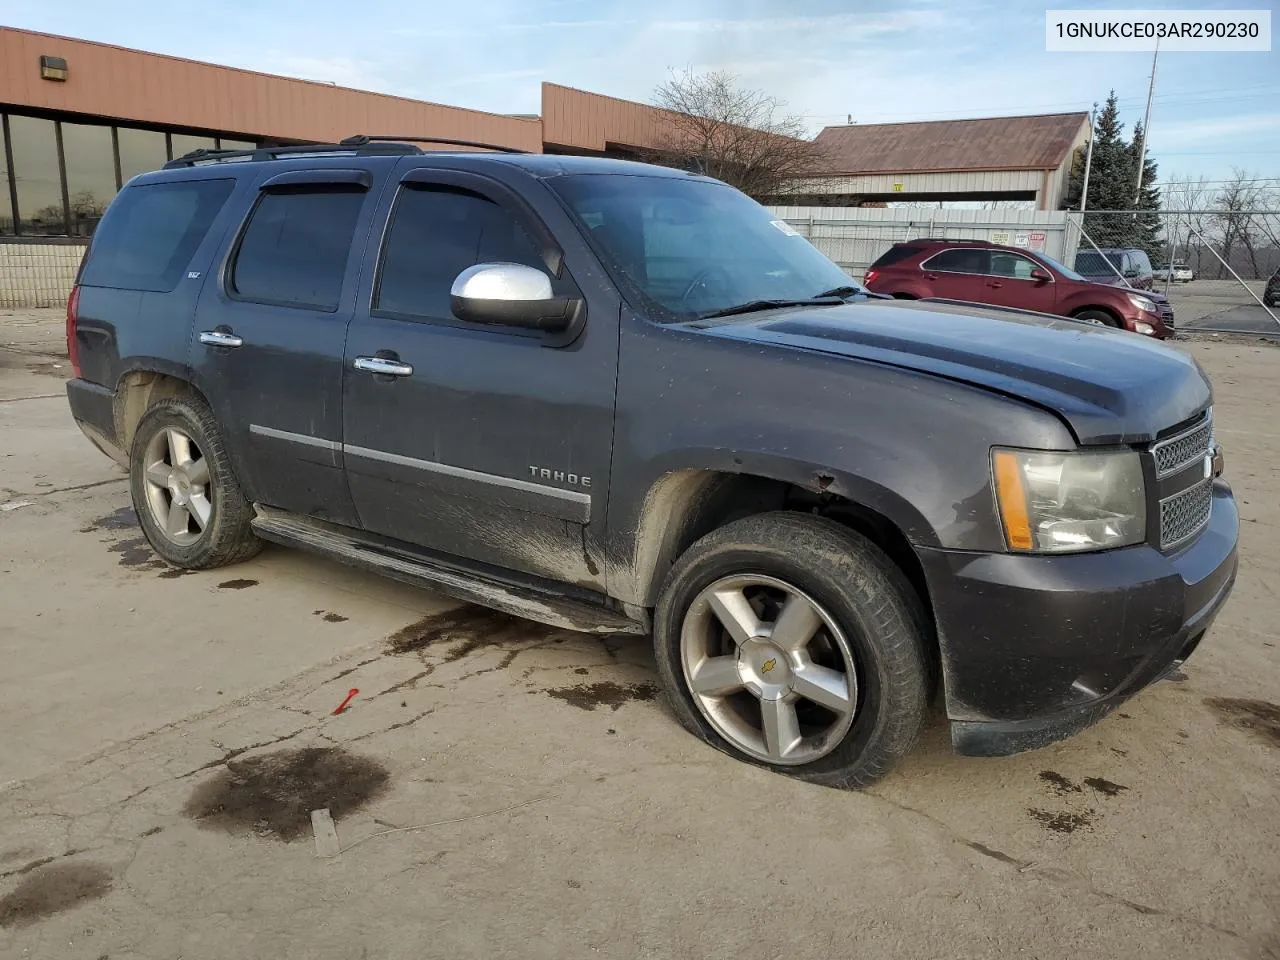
x=1012, y=497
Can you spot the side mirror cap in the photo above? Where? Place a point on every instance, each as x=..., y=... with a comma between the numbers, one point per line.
x=1040, y=276
x=510, y=294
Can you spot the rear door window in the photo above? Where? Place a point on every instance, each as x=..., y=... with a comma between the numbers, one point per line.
x=295, y=248
x=151, y=232
x=963, y=260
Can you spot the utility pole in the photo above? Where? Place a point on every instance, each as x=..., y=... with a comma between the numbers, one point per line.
x=1088, y=157
x=1146, y=123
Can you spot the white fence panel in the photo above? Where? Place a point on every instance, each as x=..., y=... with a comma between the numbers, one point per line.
x=855, y=236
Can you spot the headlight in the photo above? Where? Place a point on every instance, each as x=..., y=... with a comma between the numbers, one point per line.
x=1143, y=303
x=1068, y=502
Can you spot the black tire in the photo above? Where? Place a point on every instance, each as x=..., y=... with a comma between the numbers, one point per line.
x=867, y=597
x=227, y=536
x=1096, y=316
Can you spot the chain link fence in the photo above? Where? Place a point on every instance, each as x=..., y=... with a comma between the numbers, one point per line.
x=1212, y=264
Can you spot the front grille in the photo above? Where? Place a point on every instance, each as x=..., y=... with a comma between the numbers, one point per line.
x=1184, y=514
x=1186, y=448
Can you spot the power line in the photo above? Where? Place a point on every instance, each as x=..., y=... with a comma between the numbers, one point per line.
x=1190, y=97
x=1207, y=183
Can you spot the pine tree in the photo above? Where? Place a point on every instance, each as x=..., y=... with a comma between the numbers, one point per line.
x=1112, y=182
x=1145, y=228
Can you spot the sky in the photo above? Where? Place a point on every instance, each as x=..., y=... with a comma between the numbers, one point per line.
x=828, y=59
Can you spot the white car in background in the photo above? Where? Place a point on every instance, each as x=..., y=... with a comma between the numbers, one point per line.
x=1181, y=273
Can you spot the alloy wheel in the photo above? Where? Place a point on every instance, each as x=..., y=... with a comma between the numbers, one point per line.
x=769, y=669
x=179, y=493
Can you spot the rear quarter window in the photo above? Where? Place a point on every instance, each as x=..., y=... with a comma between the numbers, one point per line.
x=151, y=232
x=895, y=254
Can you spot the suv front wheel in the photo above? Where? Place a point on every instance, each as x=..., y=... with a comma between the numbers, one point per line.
x=791, y=642
x=185, y=494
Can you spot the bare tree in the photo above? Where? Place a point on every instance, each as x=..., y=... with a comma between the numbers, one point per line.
x=1236, y=218
x=741, y=136
x=1187, y=199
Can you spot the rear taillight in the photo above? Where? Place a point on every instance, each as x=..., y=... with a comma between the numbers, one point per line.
x=870, y=276
x=73, y=348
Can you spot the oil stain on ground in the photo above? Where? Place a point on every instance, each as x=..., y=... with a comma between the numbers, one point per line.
x=273, y=794
x=1059, y=784
x=53, y=889
x=468, y=629
x=1105, y=787
x=1259, y=717
x=1062, y=821
x=605, y=693
x=122, y=519
x=137, y=553
x=237, y=584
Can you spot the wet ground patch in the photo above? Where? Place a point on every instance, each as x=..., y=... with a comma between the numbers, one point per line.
x=273, y=794
x=137, y=554
x=122, y=519
x=466, y=630
x=1061, y=821
x=1105, y=787
x=52, y=889
x=1058, y=783
x=237, y=584
x=1259, y=717
x=604, y=693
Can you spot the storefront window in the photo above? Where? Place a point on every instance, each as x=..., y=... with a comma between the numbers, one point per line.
x=35, y=170
x=183, y=143
x=67, y=194
x=141, y=151
x=91, y=174
x=6, y=205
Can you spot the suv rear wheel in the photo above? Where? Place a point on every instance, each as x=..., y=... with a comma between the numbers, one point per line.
x=791, y=642
x=184, y=492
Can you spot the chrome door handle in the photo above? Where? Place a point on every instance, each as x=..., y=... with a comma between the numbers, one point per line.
x=218, y=338
x=380, y=365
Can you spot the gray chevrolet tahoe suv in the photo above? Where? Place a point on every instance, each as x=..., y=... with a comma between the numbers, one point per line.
x=621, y=398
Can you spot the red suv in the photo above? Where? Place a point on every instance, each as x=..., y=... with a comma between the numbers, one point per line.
x=983, y=272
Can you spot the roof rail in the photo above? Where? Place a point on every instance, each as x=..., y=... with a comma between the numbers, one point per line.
x=362, y=139
x=970, y=242
x=203, y=156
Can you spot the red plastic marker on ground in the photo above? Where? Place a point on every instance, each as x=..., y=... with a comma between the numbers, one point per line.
x=351, y=695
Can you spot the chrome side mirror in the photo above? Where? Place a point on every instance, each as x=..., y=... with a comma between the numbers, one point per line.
x=510, y=294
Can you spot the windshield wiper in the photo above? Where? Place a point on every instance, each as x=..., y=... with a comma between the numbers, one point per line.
x=755, y=306
x=841, y=292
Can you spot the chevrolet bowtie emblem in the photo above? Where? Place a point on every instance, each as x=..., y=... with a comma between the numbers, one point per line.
x=768, y=665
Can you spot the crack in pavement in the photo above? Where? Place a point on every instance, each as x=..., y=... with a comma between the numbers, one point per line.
x=79, y=486
x=1058, y=874
x=39, y=396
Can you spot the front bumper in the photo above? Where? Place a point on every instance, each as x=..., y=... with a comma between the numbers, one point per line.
x=1036, y=648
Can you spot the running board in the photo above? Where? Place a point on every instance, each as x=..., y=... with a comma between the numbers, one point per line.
x=325, y=539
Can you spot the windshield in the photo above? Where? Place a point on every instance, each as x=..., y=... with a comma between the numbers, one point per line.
x=1061, y=268
x=1091, y=264
x=694, y=247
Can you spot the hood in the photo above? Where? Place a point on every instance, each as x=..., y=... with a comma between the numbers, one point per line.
x=1155, y=295
x=1110, y=386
